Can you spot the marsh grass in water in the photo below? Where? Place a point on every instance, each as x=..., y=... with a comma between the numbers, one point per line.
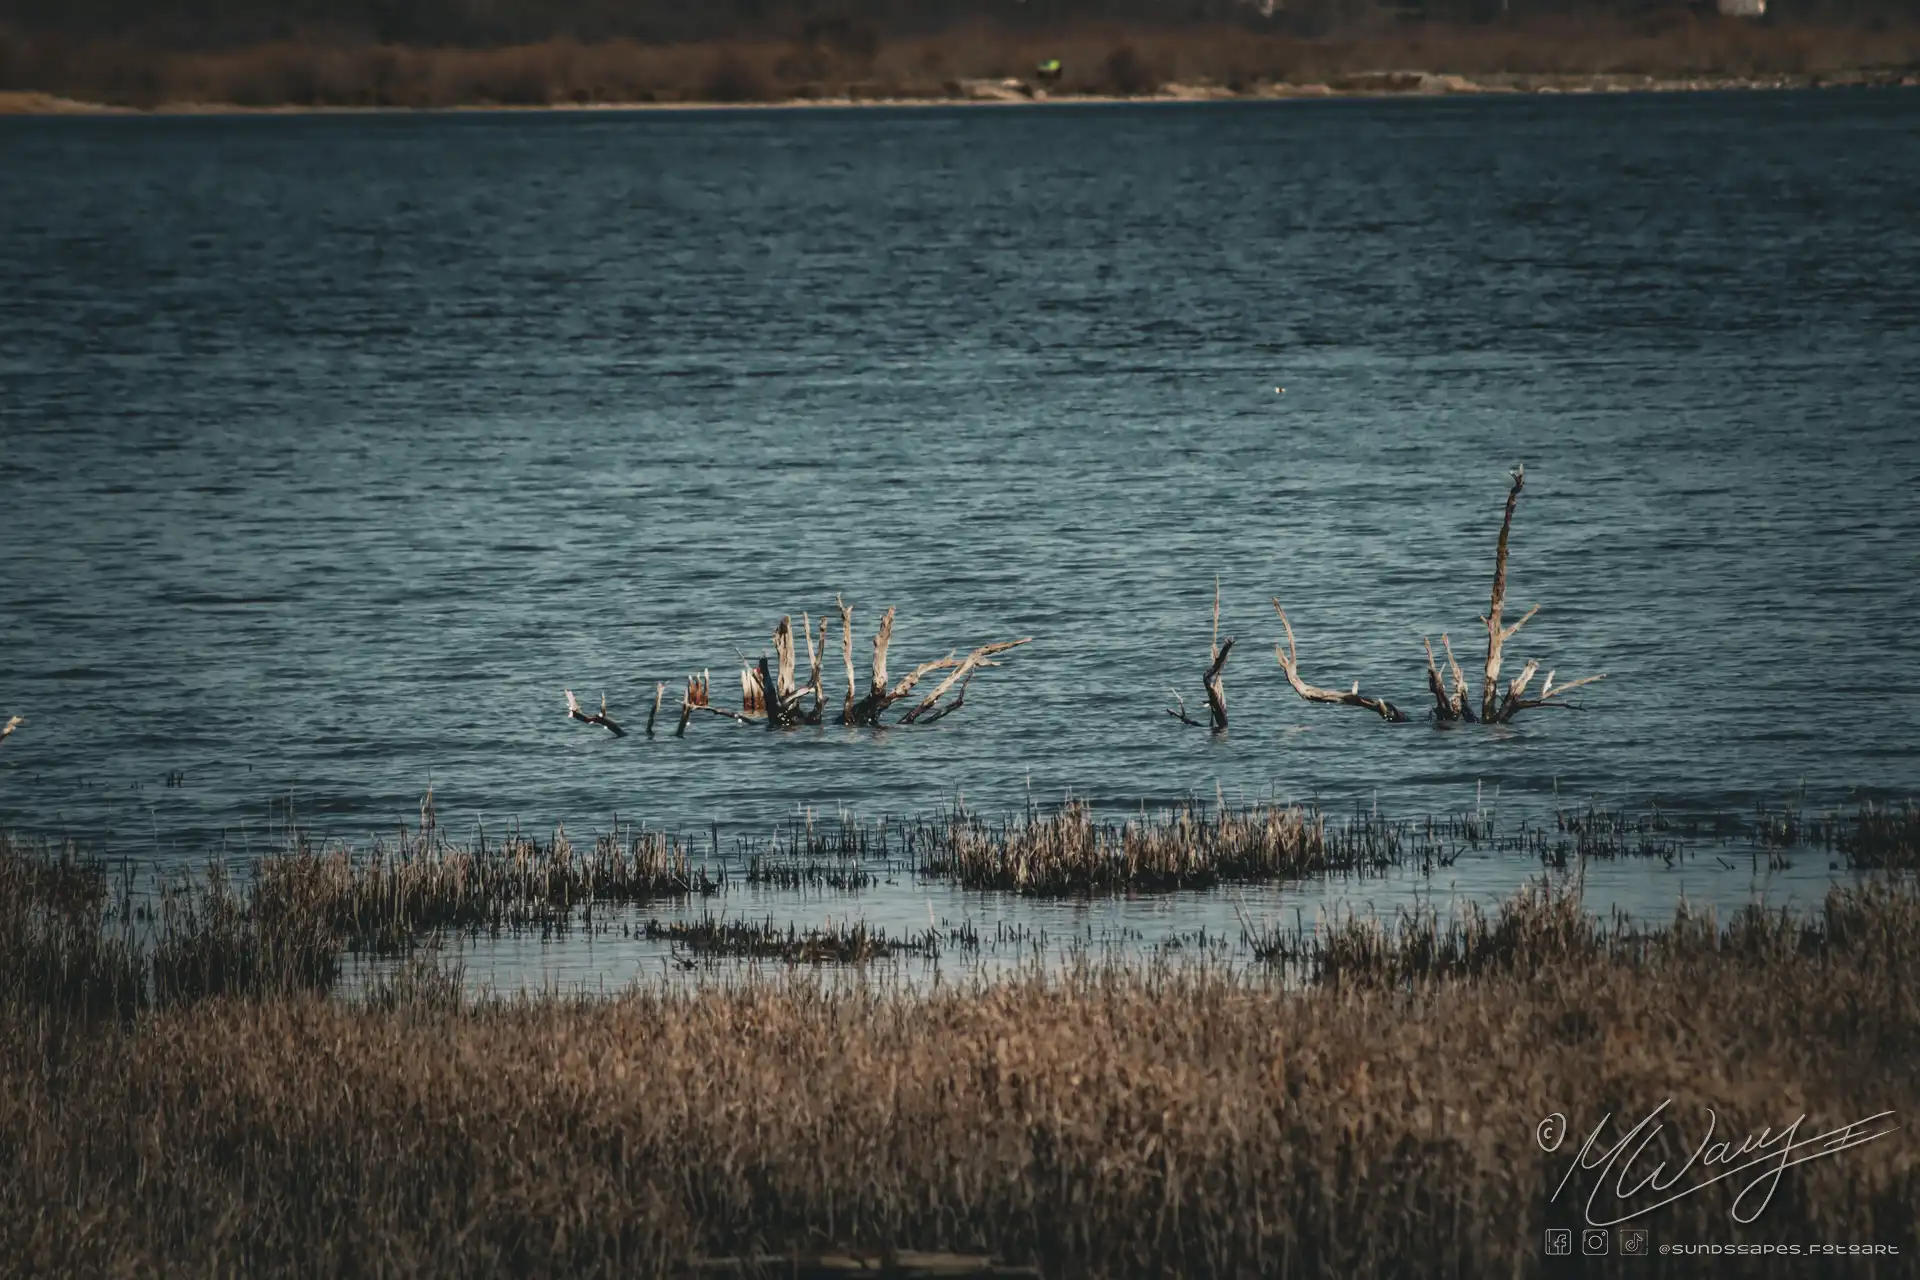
x=1872, y=837
x=1162, y=1118
x=1071, y=851
x=841, y=877
x=286, y=922
x=852, y=942
x=72, y=937
x=421, y=881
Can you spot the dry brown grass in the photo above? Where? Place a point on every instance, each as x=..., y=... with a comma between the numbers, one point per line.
x=1069, y=851
x=1099, y=59
x=420, y=881
x=1104, y=1121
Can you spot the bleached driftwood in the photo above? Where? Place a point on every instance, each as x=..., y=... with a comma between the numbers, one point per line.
x=769, y=691
x=1216, y=692
x=13, y=722
x=600, y=717
x=771, y=694
x=1448, y=704
x=1453, y=704
x=1289, y=657
x=930, y=707
x=1497, y=635
x=816, y=667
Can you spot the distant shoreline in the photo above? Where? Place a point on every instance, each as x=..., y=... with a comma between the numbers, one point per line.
x=1365, y=85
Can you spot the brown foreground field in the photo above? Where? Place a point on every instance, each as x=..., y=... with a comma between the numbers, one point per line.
x=843, y=63
x=205, y=1108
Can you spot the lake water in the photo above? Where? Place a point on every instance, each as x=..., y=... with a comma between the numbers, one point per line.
x=332, y=448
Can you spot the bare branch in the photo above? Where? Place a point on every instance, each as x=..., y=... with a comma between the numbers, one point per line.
x=1508, y=633
x=1216, y=692
x=846, y=652
x=769, y=691
x=1435, y=684
x=1550, y=695
x=1515, y=688
x=963, y=673
x=1498, y=600
x=816, y=655
x=600, y=718
x=1213, y=645
x=959, y=700
x=869, y=709
x=659, y=692
x=697, y=696
x=1289, y=658
x=783, y=650
x=1462, y=702
x=881, y=640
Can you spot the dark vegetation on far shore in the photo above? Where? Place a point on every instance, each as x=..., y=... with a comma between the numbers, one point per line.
x=1107, y=1120
x=437, y=53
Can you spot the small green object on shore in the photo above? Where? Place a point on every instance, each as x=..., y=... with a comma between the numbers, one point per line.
x=1049, y=70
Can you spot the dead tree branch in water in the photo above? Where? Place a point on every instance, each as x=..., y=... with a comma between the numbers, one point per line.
x=768, y=690
x=1179, y=710
x=698, y=697
x=963, y=675
x=1497, y=636
x=816, y=663
x=1217, y=652
x=1290, y=664
x=1216, y=692
x=1452, y=704
x=600, y=717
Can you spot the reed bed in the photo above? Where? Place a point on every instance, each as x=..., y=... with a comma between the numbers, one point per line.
x=795, y=874
x=58, y=944
x=299, y=908
x=1110, y=1120
x=1070, y=851
x=1873, y=837
x=72, y=938
x=853, y=942
x=421, y=882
